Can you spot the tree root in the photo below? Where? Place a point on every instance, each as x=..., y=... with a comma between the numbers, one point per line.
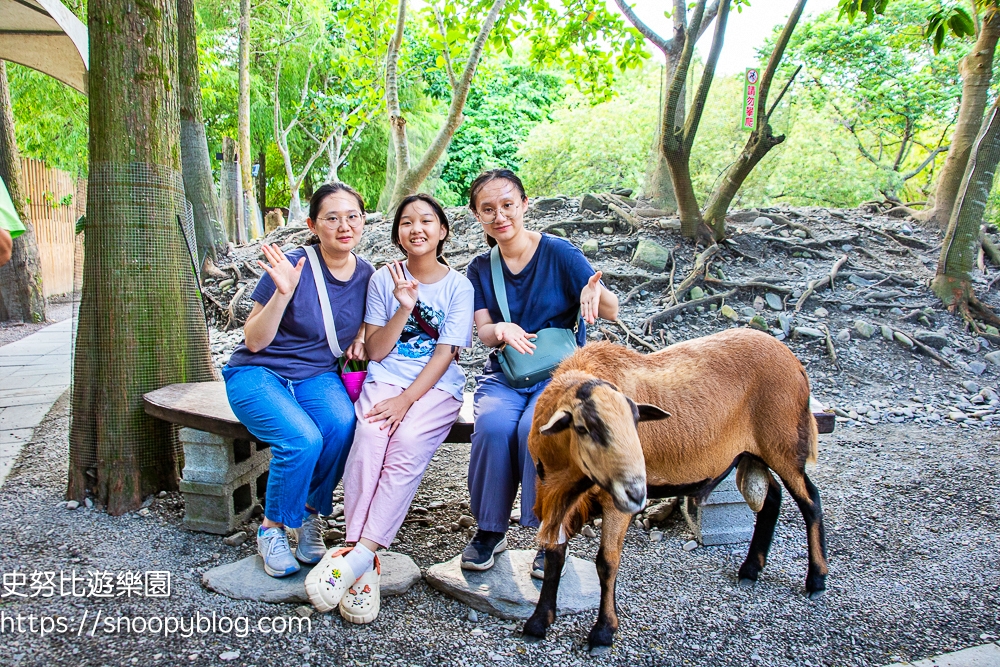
x=673, y=310
x=631, y=334
x=696, y=271
x=633, y=222
x=929, y=351
x=231, y=310
x=816, y=284
x=750, y=284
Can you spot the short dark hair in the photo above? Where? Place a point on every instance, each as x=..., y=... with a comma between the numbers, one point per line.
x=486, y=177
x=438, y=211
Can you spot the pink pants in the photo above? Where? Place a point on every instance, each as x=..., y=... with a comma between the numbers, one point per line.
x=383, y=473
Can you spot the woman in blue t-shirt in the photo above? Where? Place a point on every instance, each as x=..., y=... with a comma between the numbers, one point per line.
x=549, y=283
x=282, y=381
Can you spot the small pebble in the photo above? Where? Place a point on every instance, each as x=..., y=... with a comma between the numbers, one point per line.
x=236, y=539
x=72, y=505
x=656, y=536
x=466, y=521
x=228, y=655
x=473, y=616
x=587, y=531
x=690, y=545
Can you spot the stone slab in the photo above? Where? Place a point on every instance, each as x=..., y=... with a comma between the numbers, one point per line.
x=986, y=655
x=246, y=580
x=507, y=589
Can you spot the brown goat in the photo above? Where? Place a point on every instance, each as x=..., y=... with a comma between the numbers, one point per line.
x=735, y=396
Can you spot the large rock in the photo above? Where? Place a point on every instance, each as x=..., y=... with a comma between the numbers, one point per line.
x=592, y=203
x=650, y=256
x=864, y=329
x=932, y=339
x=590, y=247
x=507, y=589
x=246, y=580
x=546, y=204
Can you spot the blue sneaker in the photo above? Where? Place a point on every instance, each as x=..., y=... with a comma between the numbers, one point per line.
x=272, y=545
x=311, y=547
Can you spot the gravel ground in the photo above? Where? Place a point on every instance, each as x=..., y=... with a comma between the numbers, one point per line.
x=913, y=540
x=58, y=308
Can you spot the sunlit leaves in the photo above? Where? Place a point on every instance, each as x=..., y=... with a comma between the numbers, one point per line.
x=956, y=20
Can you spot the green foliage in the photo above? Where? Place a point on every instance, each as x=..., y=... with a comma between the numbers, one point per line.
x=885, y=84
x=584, y=148
x=954, y=19
x=50, y=119
x=502, y=108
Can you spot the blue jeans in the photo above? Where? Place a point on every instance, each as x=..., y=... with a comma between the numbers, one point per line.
x=499, y=460
x=310, y=427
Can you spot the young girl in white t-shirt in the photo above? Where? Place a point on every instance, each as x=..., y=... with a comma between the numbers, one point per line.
x=419, y=316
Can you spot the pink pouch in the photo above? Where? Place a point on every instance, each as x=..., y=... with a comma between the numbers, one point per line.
x=353, y=382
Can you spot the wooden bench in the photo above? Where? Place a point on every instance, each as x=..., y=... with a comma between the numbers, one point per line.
x=225, y=468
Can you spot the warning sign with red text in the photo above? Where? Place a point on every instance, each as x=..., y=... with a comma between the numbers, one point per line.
x=750, y=80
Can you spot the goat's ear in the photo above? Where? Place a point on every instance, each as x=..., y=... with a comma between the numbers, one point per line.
x=560, y=421
x=649, y=413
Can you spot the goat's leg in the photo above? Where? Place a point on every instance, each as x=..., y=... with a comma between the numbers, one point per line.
x=545, y=610
x=807, y=498
x=763, y=533
x=613, y=529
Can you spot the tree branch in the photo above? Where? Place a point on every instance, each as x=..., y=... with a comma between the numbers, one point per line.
x=444, y=50
x=784, y=90
x=645, y=30
x=923, y=165
x=396, y=121
x=667, y=132
x=698, y=104
x=772, y=64
x=454, y=119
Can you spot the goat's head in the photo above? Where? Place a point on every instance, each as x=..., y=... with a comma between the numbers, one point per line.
x=604, y=440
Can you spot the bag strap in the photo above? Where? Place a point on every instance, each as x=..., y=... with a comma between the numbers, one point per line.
x=324, y=302
x=499, y=286
x=426, y=326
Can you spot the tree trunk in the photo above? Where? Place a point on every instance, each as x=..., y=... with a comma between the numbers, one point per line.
x=976, y=70
x=140, y=324
x=659, y=186
x=21, y=295
x=199, y=187
x=409, y=177
x=262, y=180
x=243, y=123
x=952, y=282
x=761, y=140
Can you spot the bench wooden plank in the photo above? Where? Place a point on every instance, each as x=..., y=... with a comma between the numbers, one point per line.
x=204, y=406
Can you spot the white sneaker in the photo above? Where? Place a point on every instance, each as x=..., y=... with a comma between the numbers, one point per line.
x=363, y=600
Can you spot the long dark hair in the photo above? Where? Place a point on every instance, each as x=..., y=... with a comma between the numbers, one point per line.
x=325, y=191
x=438, y=211
x=486, y=177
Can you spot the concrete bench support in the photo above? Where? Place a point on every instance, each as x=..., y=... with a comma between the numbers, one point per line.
x=724, y=518
x=223, y=479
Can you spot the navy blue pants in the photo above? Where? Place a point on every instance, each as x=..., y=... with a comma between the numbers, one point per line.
x=310, y=427
x=499, y=461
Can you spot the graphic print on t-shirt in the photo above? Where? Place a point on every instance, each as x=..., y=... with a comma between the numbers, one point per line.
x=414, y=342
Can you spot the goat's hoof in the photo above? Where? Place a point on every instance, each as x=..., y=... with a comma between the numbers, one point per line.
x=816, y=595
x=531, y=639
x=747, y=583
x=598, y=651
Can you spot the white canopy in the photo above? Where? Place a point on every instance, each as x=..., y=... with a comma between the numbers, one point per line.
x=44, y=35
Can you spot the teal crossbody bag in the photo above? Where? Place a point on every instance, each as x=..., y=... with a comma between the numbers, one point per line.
x=551, y=346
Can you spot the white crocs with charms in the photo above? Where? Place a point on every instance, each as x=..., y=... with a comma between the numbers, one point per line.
x=363, y=600
x=327, y=583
